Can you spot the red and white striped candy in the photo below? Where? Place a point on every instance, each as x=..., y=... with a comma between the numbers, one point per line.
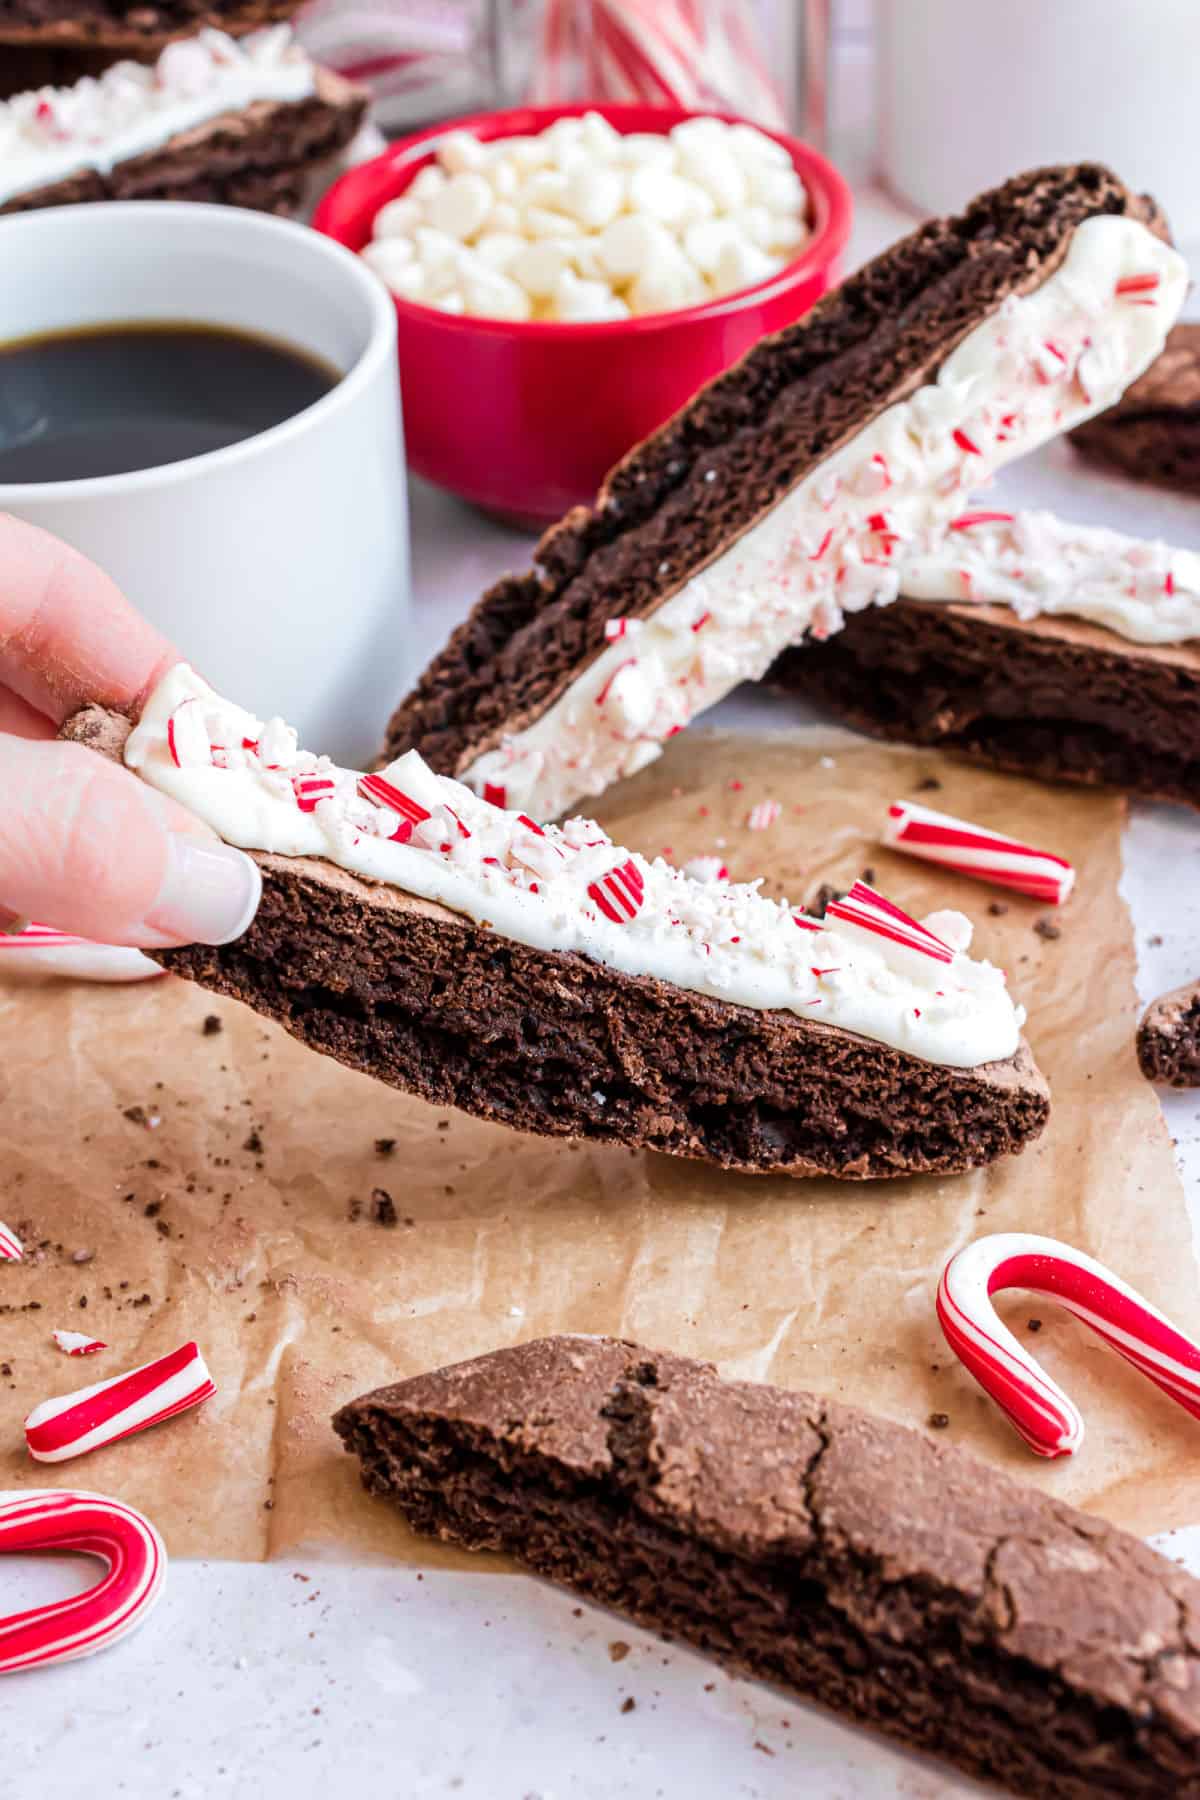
x=78, y=1343
x=706, y=869
x=620, y=893
x=308, y=789
x=970, y=850
x=42, y=950
x=870, y=912
x=73, y=1424
x=764, y=815
x=187, y=737
x=11, y=1247
x=40, y=1519
x=386, y=793
x=1046, y=1418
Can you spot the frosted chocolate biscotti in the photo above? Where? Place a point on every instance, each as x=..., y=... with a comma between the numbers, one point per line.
x=548, y=979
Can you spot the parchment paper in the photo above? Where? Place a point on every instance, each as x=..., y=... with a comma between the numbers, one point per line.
x=220, y=1185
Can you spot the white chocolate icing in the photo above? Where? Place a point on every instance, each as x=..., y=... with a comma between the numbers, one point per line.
x=1137, y=587
x=836, y=543
x=51, y=133
x=538, y=887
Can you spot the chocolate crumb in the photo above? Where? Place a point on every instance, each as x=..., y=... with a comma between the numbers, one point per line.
x=355, y=1210
x=152, y=1208
x=868, y=875
x=628, y=1704
x=997, y=908
x=383, y=1207
x=823, y=897
x=5, y=1368
x=254, y=1143
x=136, y=1115
x=1155, y=942
x=939, y=1421
x=1046, y=928
x=618, y=1651
x=83, y=1302
x=1035, y=1325
x=212, y=1025
x=384, y=1146
x=928, y=784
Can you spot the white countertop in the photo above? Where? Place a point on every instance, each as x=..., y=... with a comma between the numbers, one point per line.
x=286, y=1682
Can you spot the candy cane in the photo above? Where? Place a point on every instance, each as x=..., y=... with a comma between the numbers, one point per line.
x=91, y=1417
x=11, y=1247
x=970, y=850
x=77, y=1343
x=55, y=1519
x=1046, y=1418
x=619, y=894
x=869, y=911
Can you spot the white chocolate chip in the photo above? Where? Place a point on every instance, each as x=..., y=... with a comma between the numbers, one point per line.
x=399, y=218
x=428, y=181
x=741, y=264
x=705, y=240
x=452, y=302
x=594, y=195
x=460, y=153
x=498, y=248
x=539, y=267
x=461, y=207
x=752, y=147
x=629, y=243
x=504, y=216
x=490, y=295
x=645, y=147
x=540, y=223
x=668, y=282
x=668, y=197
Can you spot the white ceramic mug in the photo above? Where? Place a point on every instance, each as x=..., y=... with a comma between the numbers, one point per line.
x=280, y=564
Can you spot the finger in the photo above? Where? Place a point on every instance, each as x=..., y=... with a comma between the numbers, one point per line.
x=22, y=720
x=67, y=633
x=86, y=846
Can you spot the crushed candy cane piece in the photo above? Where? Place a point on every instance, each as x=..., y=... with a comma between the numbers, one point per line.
x=620, y=893
x=73, y=1424
x=764, y=815
x=187, y=736
x=11, y=1247
x=78, y=1343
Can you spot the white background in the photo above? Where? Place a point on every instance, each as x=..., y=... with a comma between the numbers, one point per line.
x=256, y=1682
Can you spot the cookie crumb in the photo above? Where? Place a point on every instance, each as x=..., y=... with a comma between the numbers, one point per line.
x=212, y=1025
x=1046, y=928
x=384, y=1146
x=928, y=784
x=997, y=908
x=383, y=1207
x=628, y=1704
x=254, y=1143
x=618, y=1651
x=938, y=1421
x=1034, y=1325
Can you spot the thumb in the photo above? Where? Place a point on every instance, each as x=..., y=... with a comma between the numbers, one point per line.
x=87, y=847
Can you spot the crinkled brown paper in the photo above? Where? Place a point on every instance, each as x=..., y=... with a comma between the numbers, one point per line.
x=221, y=1188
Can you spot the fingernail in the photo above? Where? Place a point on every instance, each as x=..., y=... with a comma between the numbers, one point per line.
x=209, y=894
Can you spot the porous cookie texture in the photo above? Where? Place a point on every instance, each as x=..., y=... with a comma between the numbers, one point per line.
x=1153, y=432
x=130, y=25
x=1168, y=1039
x=894, y=1579
x=1056, y=699
x=557, y=1043
x=689, y=491
x=259, y=157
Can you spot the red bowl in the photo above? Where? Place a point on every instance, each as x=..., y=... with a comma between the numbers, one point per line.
x=526, y=419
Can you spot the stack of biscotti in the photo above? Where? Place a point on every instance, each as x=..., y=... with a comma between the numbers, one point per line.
x=482, y=972
x=893, y=1579
x=1049, y=695
x=1153, y=432
x=244, y=119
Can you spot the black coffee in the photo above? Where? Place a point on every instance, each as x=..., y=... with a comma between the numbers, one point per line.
x=111, y=398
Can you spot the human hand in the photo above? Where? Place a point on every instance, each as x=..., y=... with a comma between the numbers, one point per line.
x=85, y=845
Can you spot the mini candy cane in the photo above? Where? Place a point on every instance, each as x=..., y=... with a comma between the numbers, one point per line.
x=56, y=1519
x=91, y=1417
x=77, y=1343
x=1046, y=1418
x=41, y=950
x=620, y=893
x=11, y=1247
x=983, y=855
x=763, y=816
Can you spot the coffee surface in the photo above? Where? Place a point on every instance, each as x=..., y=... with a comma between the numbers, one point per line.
x=110, y=399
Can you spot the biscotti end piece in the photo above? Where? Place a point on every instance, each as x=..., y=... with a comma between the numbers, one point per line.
x=1168, y=1039
x=894, y=1579
x=1153, y=432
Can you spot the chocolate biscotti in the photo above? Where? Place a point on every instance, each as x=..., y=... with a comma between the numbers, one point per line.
x=1054, y=698
x=891, y=1578
x=131, y=26
x=783, y=498
x=551, y=981
x=1153, y=432
x=1168, y=1039
x=241, y=122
